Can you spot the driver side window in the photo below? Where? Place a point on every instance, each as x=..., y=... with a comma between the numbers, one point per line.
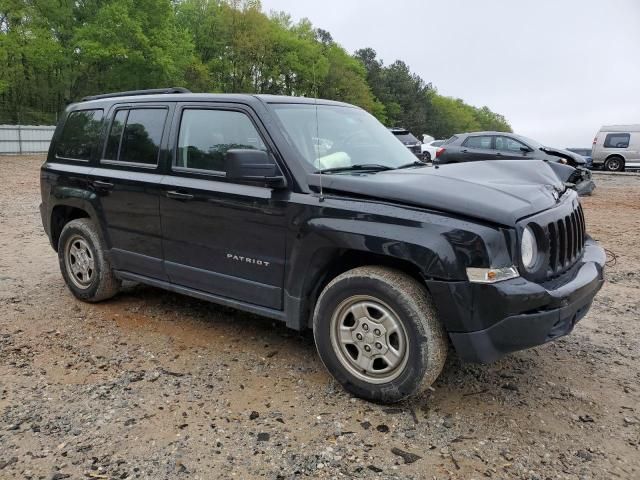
x=509, y=144
x=206, y=136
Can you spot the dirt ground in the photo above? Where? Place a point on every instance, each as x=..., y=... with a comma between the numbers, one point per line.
x=155, y=385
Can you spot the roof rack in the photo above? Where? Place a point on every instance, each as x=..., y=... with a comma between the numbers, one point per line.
x=151, y=91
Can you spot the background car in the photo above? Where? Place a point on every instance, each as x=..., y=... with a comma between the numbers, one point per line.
x=479, y=146
x=430, y=149
x=408, y=140
x=465, y=147
x=586, y=153
x=617, y=147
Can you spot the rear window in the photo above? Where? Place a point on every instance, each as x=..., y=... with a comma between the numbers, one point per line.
x=617, y=140
x=405, y=137
x=80, y=134
x=135, y=135
x=450, y=140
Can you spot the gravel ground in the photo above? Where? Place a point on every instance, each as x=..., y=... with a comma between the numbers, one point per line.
x=156, y=385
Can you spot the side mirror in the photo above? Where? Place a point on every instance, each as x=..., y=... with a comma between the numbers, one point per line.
x=525, y=149
x=253, y=166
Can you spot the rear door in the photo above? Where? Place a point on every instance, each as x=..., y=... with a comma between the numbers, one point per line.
x=477, y=147
x=221, y=237
x=127, y=185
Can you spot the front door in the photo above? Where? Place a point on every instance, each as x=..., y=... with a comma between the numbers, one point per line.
x=126, y=183
x=510, y=148
x=221, y=237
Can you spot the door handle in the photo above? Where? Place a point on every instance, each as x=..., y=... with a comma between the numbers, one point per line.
x=464, y=151
x=179, y=195
x=498, y=154
x=100, y=185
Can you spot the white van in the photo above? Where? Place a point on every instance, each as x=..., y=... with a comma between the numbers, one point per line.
x=616, y=147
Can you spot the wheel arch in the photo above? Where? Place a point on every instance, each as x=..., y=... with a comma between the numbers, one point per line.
x=327, y=264
x=64, y=212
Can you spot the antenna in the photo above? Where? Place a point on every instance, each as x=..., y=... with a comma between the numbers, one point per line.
x=316, y=144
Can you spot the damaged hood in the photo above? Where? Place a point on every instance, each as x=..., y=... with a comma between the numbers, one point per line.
x=571, y=157
x=501, y=191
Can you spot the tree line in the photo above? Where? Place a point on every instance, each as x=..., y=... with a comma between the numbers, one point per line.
x=54, y=52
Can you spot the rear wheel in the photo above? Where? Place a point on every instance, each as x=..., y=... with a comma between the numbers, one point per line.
x=377, y=333
x=614, y=164
x=427, y=157
x=85, y=269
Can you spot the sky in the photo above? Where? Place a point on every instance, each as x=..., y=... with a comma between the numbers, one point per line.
x=556, y=69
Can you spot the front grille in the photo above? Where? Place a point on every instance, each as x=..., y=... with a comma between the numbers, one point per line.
x=566, y=238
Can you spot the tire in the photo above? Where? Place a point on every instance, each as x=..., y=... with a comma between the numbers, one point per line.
x=395, y=319
x=427, y=157
x=85, y=269
x=614, y=164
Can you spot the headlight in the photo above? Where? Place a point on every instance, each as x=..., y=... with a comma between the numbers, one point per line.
x=529, y=248
x=563, y=161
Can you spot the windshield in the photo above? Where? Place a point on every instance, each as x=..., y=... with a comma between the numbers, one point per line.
x=341, y=137
x=531, y=143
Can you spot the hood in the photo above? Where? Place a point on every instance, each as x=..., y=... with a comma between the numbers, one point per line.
x=573, y=158
x=500, y=191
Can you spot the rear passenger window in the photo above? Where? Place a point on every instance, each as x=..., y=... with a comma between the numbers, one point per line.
x=617, y=140
x=478, y=142
x=206, y=136
x=80, y=134
x=135, y=135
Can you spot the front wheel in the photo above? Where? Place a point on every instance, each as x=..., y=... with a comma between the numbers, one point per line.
x=377, y=333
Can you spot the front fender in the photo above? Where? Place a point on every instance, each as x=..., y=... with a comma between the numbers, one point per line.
x=438, y=246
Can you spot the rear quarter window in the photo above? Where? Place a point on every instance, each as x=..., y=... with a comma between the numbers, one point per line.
x=617, y=140
x=80, y=134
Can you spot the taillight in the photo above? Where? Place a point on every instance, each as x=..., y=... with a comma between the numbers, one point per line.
x=595, y=140
x=439, y=152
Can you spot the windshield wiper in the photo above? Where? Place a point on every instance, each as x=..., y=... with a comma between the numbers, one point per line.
x=374, y=167
x=415, y=163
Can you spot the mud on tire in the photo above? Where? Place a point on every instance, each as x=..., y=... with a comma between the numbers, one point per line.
x=86, y=271
x=386, y=303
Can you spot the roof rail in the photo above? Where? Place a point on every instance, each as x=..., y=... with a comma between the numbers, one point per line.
x=151, y=91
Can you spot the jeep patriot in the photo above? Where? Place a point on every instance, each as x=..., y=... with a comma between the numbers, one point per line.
x=312, y=213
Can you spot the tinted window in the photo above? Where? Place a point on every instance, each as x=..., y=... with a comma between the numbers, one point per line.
x=115, y=134
x=478, y=142
x=437, y=143
x=509, y=144
x=206, y=136
x=405, y=137
x=450, y=140
x=617, y=140
x=79, y=135
x=135, y=135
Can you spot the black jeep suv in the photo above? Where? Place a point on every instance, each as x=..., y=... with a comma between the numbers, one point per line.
x=228, y=198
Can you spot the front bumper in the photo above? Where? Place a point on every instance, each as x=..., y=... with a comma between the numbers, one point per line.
x=485, y=322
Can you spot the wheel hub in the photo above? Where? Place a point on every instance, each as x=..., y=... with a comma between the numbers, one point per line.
x=369, y=339
x=365, y=335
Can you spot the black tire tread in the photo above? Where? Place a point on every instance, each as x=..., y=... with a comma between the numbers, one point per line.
x=108, y=284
